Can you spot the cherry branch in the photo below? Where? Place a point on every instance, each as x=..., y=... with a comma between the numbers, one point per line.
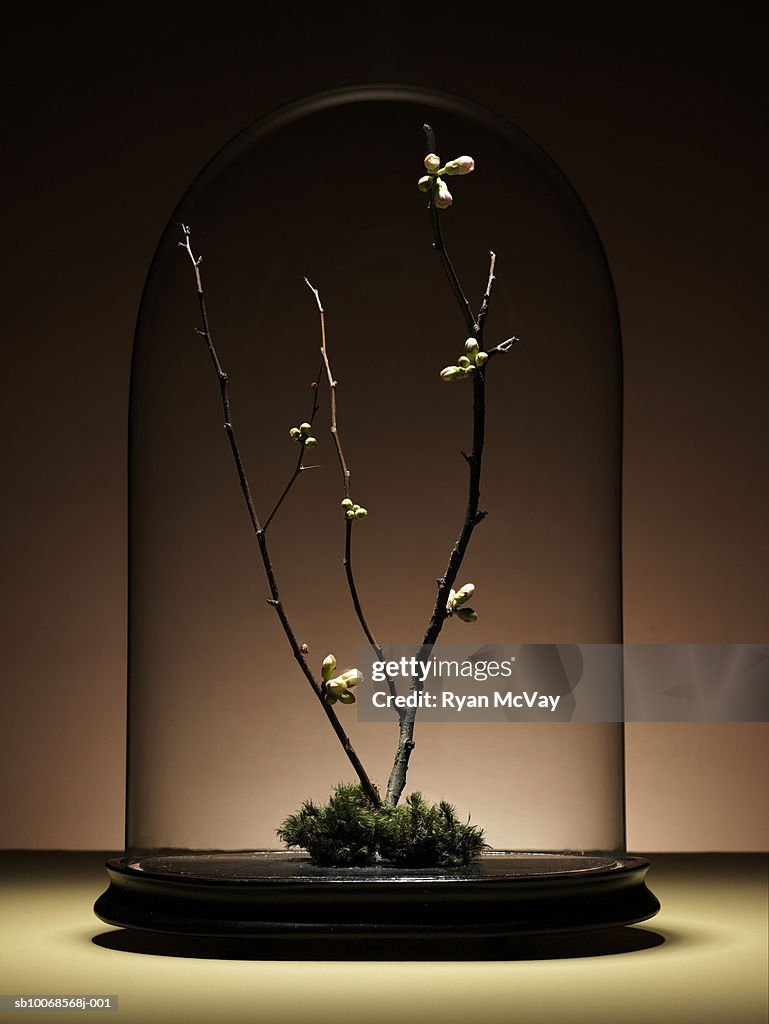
x=274, y=600
x=473, y=514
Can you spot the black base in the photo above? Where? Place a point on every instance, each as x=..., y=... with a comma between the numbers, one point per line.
x=273, y=894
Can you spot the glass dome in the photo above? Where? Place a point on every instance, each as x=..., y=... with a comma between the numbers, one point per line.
x=231, y=722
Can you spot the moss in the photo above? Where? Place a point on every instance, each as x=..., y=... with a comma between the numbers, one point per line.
x=350, y=831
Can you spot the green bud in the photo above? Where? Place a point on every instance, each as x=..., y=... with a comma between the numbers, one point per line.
x=347, y=503
x=466, y=615
x=425, y=183
x=305, y=429
x=328, y=668
x=336, y=686
x=471, y=348
x=452, y=373
x=350, y=513
x=481, y=358
x=360, y=513
x=463, y=361
x=432, y=162
x=295, y=433
x=346, y=697
x=330, y=698
x=310, y=442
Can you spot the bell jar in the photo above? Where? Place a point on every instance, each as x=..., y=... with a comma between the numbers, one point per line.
x=375, y=609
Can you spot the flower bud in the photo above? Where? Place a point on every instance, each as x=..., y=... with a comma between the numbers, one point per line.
x=330, y=698
x=328, y=668
x=346, y=697
x=451, y=373
x=466, y=614
x=347, y=503
x=310, y=442
x=351, y=677
x=336, y=686
x=361, y=513
x=462, y=165
x=425, y=183
x=481, y=358
x=464, y=594
x=442, y=197
x=295, y=433
x=350, y=513
x=432, y=162
x=471, y=348
x=463, y=361
x=305, y=429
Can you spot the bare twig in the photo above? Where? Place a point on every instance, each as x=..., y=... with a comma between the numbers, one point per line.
x=346, y=475
x=274, y=600
x=332, y=390
x=484, y=310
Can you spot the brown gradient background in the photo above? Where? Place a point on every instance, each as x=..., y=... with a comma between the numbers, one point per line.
x=656, y=115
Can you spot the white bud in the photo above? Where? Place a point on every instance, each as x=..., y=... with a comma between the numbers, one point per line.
x=328, y=668
x=351, y=677
x=442, y=197
x=295, y=433
x=463, y=361
x=463, y=594
x=425, y=183
x=350, y=513
x=471, y=348
x=336, y=686
x=481, y=358
x=310, y=442
x=451, y=373
x=361, y=513
x=462, y=165
x=305, y=428
x=432, y=162
x=347, y=503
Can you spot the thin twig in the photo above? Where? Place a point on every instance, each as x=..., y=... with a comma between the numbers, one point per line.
x=484, y=310
x=300, y=467
x=346, y=476
x=359, y=609
x=332, y=390
x=274, y=600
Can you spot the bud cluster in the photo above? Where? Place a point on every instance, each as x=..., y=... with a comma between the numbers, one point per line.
x=433, y=180
x=456, y=602
x=303, y=435
x=352, y=511
x=467, y=364
x=339, y=688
